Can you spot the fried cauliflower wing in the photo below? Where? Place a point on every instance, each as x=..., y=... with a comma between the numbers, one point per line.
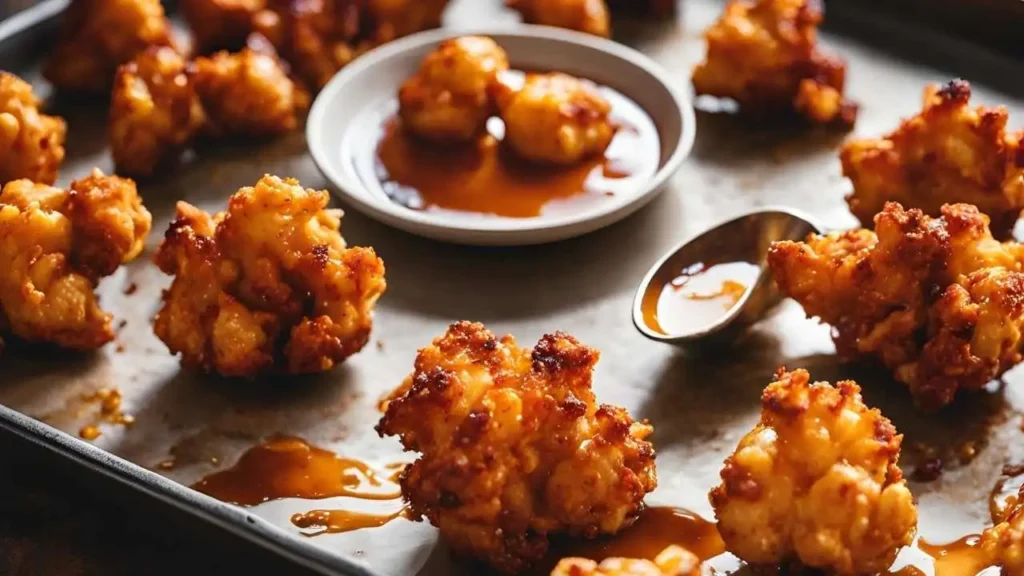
x=590, y=16
x=154, y=112
x=248, y=94
x=555, y=118
x=55, y=245
x=448, y=99
x=320, y=37
x=220, y=24
x=1003, y=544
x=934, y=299
x=816, y=481
x=949, y=152
x=764, y=55
x=267, y=286
x=514, y=447
x=31, y=143
x=393, y=19
x=673, y=561
x=100, y=35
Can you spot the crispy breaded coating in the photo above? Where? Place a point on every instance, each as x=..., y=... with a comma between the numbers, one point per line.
x=100, y=35
x=672, y=561
x=1003, y=544
x=391, y=19
x=220, y=24
x=514, y=446
x=55, y=245
x=934, y=299
x=555, y=118
x=320, y=37
x=154, y=112
x=449, y=98
x=248, y=94
x=764, y=55
x=590, y=16
x=816, y=481
x=31, y=143
x=267, y=286
x=949, y=152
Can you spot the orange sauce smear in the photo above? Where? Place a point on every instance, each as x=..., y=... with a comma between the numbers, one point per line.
x=109, y=401
x=657, y=528
x=661, y=527
x=338, y=521
x=959, y=558
x=678, y=306
x=286, y=467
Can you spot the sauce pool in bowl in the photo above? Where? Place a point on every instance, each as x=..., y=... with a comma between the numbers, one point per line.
x=486, y=178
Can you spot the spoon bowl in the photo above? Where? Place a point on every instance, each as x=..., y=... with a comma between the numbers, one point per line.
x=745, y=238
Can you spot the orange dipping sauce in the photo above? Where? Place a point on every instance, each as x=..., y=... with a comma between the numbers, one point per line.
x=486, y=178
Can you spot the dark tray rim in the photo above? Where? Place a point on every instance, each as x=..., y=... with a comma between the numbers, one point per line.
x=133, y=477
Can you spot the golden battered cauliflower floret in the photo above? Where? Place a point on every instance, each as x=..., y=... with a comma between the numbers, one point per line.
x=555, y=118
x=910, y=295
x=154, y=112
x=220, y=24
x=100, y=35
x=590, y=16
x=1003, y=544
x=247, y=94
x=673, y=561
x=393, y=19
x=267, y=286
x=514, y=446
x=816, y=481
x=764, y=55
x=949, y=152
x=110, y=223
x=55, y=245
x=320, y=37
x=448, y=99
x=31, y=143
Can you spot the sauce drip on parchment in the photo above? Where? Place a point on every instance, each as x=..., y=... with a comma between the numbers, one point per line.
x=661, y=527
x=108, y=411
x=286, y=467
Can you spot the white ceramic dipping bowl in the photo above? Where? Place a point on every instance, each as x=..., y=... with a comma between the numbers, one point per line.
x=340, y=130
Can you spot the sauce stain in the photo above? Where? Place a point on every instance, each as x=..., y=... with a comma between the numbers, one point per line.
x=286, y=467
x=109, y=402
x=657, y=528
x=661, y=527
x=960, y=558
x=338, y=521
x=1006, y=492
x=697, y=297
x=486, y=178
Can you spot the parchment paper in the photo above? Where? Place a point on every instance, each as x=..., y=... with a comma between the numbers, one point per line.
x=699, y=403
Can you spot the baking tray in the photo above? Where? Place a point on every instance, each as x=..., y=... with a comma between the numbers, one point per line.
x=700, y=402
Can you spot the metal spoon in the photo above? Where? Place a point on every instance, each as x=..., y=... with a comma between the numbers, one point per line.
x=742, y=239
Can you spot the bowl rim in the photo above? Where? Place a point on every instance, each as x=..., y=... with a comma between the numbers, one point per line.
x=495, y=228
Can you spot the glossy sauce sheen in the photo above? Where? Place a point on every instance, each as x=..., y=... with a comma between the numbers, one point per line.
x=337, y=521
x=656, y=529
x=661, y=527
x=109, y=402
x=698, y=297
x=486, y=178
x=291, y=468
